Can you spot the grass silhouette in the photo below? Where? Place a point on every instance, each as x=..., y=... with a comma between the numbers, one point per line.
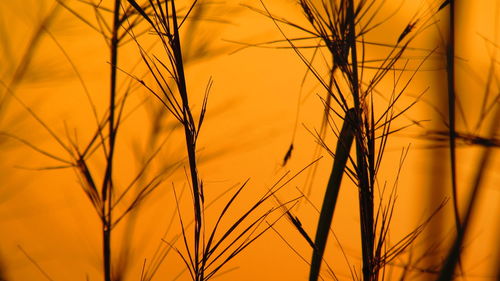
x=362, y=80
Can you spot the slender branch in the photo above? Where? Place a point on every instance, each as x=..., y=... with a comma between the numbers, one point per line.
x=365, y=192
x=189, y=132
x=107, y=186
x=451, y=114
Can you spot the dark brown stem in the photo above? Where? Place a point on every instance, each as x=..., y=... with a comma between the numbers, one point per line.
x=451, y=114
x=189, y=132
x=107, y=187
x=365, y=192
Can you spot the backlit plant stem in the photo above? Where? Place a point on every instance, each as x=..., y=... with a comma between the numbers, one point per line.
x=365, y=192
x=189, y=132
x=107, y=189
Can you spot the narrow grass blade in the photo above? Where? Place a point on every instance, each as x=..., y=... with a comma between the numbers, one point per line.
x=141, y=11
x=332, y=190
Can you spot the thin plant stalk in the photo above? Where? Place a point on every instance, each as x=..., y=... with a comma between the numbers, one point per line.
x=364, y=185
x=107, y=186
x=190, y=138
x=450, y=59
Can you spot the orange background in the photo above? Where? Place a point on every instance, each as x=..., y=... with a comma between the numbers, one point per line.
x=249, y=125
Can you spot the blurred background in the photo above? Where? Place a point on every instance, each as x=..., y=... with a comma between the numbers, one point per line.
x=55, y=68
